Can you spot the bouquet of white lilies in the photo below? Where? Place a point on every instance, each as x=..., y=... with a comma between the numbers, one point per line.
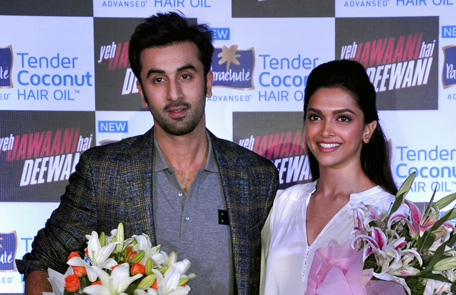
x=408, y=246
x=112, y=265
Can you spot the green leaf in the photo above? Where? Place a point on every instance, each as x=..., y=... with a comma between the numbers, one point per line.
x=102, y=239
x=443, y=202
x=452, y=239
x=442, y=219
x=403, y=190
x=435, y=258
x=428, y=207
x=445, y=263
x=433, y=276
x=425, y=242
x=406, y=185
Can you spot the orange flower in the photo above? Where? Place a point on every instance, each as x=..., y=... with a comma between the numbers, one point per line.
x=129, y=254
x=112, y=267
x=96, y=283
x=138, y=268
x=155, y=285
x=79, y=271
x=72, y=283
x=73, y=254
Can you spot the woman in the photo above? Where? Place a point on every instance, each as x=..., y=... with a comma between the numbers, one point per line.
x=349, y=161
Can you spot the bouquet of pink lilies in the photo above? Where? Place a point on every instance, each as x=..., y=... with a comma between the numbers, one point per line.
x=409, y=246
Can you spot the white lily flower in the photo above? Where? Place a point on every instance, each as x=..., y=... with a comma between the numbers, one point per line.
x=144, y=243
x=149, y=291
x=99, y=256
x=57, y=281
x=91, y=273
x=435, y=287
x=182, y=266
x=169, y=284
x=114, y=284
x=388, y=277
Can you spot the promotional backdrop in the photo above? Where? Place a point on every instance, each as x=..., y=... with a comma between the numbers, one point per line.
x=66, y=86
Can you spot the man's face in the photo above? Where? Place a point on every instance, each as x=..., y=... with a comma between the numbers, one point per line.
x=174, y=87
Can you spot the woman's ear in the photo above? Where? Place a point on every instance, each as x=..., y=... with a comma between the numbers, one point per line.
x=369, y=130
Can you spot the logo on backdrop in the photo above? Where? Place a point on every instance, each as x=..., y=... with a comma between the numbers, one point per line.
x=283, y=78
x=449, y=66
x=278, y=137
x=48, y=155
x=221, y=33
x=367, y=3
x=115, y=57
x=402, y=65
x=435, y=167
x=8, y=246
x=397, y=3
x=233, y=68
x=113, y=126
x=6, y=64
x=41, y=156
x=448, y=31
x=124, y=4
x=41, y=78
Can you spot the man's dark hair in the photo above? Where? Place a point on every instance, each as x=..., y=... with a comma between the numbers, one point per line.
x=165, y=29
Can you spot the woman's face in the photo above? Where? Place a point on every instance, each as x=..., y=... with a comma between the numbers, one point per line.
x=335, y=128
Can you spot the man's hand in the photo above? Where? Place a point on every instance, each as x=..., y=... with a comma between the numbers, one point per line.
x=37, y=282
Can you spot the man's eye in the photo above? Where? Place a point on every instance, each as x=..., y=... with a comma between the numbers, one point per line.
x=186, y=76
x=158, y=80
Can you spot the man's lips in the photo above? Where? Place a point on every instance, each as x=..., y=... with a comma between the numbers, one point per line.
x=177, y=110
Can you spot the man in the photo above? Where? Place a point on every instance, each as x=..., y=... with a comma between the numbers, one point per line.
x=177, y=183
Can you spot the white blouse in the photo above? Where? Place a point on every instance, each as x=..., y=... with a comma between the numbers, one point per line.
x=286, y=256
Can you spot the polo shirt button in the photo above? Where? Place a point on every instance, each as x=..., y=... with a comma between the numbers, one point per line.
x=180, y=194
x=187, y=218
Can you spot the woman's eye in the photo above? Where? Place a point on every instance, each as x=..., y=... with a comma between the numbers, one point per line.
x=344, y=119
x=313, y=117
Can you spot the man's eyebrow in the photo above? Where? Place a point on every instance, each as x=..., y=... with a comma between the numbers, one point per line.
x=187, y=67
x=183, y=68
x=154, y=71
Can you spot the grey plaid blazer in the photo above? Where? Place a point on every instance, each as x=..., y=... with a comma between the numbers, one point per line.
x=113, y=184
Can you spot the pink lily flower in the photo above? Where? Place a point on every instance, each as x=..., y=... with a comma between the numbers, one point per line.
x=417, y=222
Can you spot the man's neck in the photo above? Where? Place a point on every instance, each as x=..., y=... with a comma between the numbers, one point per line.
x=184, y=152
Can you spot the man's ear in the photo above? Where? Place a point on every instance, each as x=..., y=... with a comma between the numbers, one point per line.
x=140, y=89
x=209, y=81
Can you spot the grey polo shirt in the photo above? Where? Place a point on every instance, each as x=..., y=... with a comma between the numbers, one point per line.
x=189, y=224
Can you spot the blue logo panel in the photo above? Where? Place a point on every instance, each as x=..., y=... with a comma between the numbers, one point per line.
x=6, y=63
x=449, y=66
x=8, y=245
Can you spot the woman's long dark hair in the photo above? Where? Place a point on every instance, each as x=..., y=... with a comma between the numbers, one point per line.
x=352, y=77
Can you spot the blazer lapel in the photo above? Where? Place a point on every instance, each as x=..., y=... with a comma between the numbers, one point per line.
x=139, y=186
